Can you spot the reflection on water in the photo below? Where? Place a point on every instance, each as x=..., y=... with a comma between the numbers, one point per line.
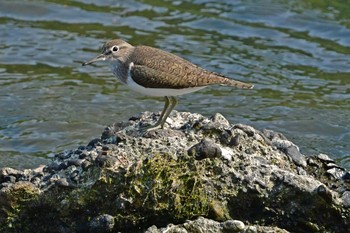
x=296, y=53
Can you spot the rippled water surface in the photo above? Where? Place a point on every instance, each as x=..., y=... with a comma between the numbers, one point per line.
x=297, y=53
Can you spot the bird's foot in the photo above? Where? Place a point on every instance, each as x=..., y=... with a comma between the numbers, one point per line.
x=148, y=128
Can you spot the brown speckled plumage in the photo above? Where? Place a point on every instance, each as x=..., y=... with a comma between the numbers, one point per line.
x=159, y=69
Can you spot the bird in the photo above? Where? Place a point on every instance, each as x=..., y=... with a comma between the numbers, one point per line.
x=155, y=72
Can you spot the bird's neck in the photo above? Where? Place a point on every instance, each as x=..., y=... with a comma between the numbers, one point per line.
x=120, y=69
x=120, y=66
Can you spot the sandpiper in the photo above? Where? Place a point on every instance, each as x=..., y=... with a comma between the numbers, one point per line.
x=154, y=72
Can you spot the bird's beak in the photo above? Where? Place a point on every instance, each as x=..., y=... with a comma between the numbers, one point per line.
x=100, y=57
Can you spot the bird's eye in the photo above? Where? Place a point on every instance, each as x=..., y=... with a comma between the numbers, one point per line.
x=115, y=48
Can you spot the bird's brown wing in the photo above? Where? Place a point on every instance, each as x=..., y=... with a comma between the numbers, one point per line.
x=151, y=78
x=159, y=69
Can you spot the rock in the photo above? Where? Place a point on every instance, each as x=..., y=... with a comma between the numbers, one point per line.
x=325, y=193
x=52, y=167
x=289, y=148
x=93, y=143
x=217, y=123
x=295, y=155
x=336, y=173
x=325, y=158
x=233, y=226
x=346, y=199
x=205, y=149
x=64, y=155
x=9, y=175
x=346, y=177
x=101, y=224
x=106, y=160
x=198, y=174
x=13, y=197
x=163, y=133
x=250, y=131
x=11, y=179
x=6, y=171
x=63, y=182
x=207, y=225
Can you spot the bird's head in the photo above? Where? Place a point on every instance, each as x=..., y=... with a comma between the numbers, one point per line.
x=112, y=50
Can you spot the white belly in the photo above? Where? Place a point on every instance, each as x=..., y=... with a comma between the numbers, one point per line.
x=160, y=91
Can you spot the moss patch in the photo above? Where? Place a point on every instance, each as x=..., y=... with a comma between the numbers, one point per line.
x=171, y=190
x=13, y=199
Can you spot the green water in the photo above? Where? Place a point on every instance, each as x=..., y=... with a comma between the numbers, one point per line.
x=297, y=53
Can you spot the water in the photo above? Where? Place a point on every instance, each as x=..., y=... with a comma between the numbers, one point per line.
x=297, y=53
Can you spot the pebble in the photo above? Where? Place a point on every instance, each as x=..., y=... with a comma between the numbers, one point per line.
x=234, y=141
x=63, y=165
x=75, y=175
x=205, y=149
x=64, y=155
x=93, y=143
x=82, y=155
x=325, y=158
x=106, y=160
x=219, y=118
x=85, y=164
x=346, y=199
x=346, y=177
x=325, y=193
x=233, y=225
x=337, y=173
x=10, y=179
x=294, y=153
x=55, y=177
x=250, y=131
x=301, y=171
x=51, y=167
x=36, y=181
x=75, y=162
x=272, y=135
x=62, y=182
x=102, y=223
x=312, y=162
x=9, y=171
x=251, y=229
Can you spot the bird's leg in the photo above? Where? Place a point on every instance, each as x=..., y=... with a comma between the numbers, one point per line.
x=173, y=103
x=158, y=124
x=170, y=103
x=165, y=109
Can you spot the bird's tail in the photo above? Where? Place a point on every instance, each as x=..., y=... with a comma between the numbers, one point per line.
x=235, y=83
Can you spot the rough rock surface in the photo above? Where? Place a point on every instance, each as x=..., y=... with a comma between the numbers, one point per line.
x=197, y=175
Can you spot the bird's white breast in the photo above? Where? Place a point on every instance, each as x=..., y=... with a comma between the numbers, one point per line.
x=115, y=67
